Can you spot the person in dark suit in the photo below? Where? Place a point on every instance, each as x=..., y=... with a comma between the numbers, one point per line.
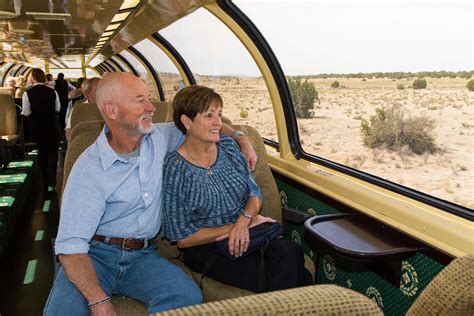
x=42, y=104
x=63, y=88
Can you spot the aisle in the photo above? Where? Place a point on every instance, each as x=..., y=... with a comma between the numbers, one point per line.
x=26, y=267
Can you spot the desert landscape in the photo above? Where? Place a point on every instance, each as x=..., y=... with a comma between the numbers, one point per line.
x=334, y=130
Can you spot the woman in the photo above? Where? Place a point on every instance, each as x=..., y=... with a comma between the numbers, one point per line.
x=20, y=87
x=11, y=83
x=41, y=104
x=210, y=194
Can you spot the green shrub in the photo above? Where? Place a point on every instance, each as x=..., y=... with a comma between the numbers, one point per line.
x=303, y=94
x=470, y=85
x=243, y=113
x=419, y=83
x=335, y=84
x=389, y=128
x=400, y=86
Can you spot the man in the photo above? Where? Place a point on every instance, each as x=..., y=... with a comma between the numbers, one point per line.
x=88, y=87
x=41, y=104
x=111, y=211
x=49, y=81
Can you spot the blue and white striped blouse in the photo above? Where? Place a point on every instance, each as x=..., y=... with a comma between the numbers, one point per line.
x=193, y=199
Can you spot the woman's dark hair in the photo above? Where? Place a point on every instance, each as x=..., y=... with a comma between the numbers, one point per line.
x=60, y=76
x=38, y=75
x=192, y=100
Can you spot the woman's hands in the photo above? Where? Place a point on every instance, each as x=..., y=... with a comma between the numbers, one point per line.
x=239, y=237
x=259, y=219
x=239, y=234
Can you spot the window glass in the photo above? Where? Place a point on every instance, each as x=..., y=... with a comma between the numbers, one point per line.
x=141, y=71
x=164, y=67
x=371, y=112
x=111, y=66
x=4, y=68
x=121, y=63
x=220, y=61
x=15, y=70
x=68, y=73
x=91, y=73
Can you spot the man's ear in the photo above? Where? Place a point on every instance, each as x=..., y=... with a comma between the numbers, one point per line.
x=186, y=121
x=110, y=109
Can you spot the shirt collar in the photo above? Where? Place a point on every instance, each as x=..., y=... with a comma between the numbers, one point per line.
x=107, y=153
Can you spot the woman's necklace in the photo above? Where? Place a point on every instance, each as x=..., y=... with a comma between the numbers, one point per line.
x=208, y=168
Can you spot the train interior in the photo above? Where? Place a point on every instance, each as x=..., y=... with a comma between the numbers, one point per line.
x=379, y=221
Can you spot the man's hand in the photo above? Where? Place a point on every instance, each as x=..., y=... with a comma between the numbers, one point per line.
x=248, y=152
x=259, y=219
x=106, y=309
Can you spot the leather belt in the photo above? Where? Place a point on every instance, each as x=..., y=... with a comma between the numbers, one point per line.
x=126, y=243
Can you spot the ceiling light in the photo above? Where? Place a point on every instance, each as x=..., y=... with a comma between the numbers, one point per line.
x=119, y=17
x=19, y=26
x=129, y=4
x=7, y=10
x=112, y=27
x=37, y=37
x=104, y=38
x=48, y=16
x=108, y=33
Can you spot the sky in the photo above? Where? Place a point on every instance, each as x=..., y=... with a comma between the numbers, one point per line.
x=333, y=36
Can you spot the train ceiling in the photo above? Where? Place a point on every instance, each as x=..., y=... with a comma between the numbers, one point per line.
x=67, y=33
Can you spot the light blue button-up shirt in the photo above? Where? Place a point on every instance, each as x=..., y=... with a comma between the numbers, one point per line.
x=111, y=196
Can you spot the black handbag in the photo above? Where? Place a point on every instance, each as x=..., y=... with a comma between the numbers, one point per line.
x=259, y=236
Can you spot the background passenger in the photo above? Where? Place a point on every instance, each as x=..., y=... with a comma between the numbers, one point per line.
x=11, y=83
x=49, y=81
x=63, y=88
x=41, y=105
x=89, y=87
x=210, y=193
x=20, y=86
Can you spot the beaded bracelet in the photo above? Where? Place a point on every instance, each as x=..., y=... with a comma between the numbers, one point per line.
x=105, y=300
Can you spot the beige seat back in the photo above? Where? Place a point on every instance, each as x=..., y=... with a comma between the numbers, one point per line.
x=85, y=112
x=85, y=127
x=6, y=90
x=263, y=175
x=76, y=147
x=8, y=119
x=451, y=292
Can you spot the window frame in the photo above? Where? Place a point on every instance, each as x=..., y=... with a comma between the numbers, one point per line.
x=126, y=62
x=149, y=68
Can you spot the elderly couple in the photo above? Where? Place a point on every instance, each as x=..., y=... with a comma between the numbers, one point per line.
x=189, y=178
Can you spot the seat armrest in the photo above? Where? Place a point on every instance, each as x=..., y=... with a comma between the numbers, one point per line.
x=292, y=216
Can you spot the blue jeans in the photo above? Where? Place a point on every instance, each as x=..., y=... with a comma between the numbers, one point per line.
x=140, y=274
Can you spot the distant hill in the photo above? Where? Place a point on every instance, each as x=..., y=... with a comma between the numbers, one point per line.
x=396, y=75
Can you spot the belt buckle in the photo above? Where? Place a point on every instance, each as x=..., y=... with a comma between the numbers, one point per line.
x=124, y=241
